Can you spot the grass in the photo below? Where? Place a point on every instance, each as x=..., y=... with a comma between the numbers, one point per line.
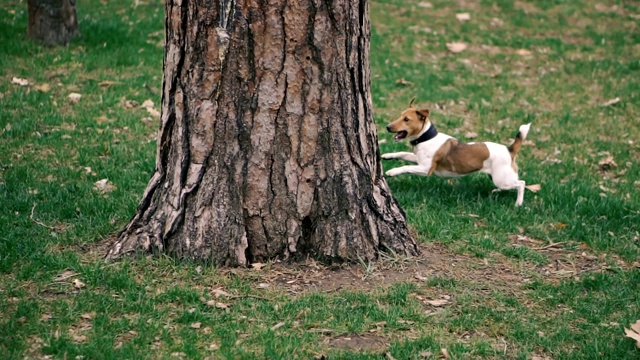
x=557, y=278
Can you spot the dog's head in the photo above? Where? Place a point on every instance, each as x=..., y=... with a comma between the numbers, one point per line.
x=410, y=123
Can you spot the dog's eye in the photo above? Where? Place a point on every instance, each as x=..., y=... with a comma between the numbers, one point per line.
x=406, y=119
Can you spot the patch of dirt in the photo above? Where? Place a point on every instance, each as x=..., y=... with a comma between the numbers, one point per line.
x=356, y=342
x=569, y=259
x=437, y=261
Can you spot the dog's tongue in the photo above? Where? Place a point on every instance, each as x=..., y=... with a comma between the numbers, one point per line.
x=399, y=136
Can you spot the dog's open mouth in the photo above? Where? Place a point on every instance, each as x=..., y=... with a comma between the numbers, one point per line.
x=400, y=135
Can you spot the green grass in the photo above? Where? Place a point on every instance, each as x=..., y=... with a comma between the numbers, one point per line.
x=557, y=278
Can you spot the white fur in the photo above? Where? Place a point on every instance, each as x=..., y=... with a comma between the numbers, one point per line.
x=498, y=165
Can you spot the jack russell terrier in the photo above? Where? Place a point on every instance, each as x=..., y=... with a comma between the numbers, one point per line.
x=445, y=156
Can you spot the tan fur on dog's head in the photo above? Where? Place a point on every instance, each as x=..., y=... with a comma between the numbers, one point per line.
x=410, y=123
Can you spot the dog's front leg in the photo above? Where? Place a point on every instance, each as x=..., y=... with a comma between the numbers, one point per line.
x=409, y=169
x=403, y=155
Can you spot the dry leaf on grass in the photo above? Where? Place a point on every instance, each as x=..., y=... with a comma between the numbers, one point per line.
x=607, y=163
x=523, y=52
x=495, y=22
x=277, y=326
x=425, y=4
x=611, y=102
x=420, y=277
x=19, y=81
x=74, y=98
x=43, y=88
x=534, y=187
x=78, y=284
x=462, y=17
x=257, y=266
x=404, y=82
x=456, y=47
x=103, y=186
x=106, y=83
x=445, y=353
x=148, y=104
x=471, y=135
x=263, y=286
x=219, y=292
x=65, y=275
x=195, y=325
x=634, y=333
x=437, y=302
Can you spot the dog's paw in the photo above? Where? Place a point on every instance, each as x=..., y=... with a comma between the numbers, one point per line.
x=387, y=157
x=393, y=172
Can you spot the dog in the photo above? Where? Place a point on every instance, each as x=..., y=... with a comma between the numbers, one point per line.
x=445, y=156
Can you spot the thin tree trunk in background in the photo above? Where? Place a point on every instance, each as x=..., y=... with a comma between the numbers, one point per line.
x=52, y=22
x=267, y=146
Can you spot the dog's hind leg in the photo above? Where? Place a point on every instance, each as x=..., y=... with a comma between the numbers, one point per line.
x=510, y=181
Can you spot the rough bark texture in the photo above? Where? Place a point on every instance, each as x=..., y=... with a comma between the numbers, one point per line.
x=267, y=146
x=52, y=22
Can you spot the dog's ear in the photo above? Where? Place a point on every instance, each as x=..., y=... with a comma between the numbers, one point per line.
x=423, y=114
x=411, y=103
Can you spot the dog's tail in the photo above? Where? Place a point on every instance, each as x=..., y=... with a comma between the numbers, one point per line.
x=517, y=143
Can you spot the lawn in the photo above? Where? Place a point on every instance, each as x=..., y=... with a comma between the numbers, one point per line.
x=558, y=278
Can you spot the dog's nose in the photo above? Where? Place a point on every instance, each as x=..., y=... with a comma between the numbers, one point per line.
x=389, y=128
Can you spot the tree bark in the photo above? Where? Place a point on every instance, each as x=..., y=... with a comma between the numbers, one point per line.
x=52, y=22
x=267, y=146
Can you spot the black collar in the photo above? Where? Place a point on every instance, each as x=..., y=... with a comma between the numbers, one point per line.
x=428, y=135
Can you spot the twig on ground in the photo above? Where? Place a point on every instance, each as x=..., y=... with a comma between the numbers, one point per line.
x=40, y=222
x=549, y=246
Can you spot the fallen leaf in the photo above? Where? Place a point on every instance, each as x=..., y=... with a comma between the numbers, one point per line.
x=425, y=354
x=78, y=284
x=607, y=163
x=195, y=325
x=214, y=346
x=219, y=292
x=420, y=277
x=462, y=17
x=128, y=104
x=425, y=4
x=79, y=338
x=495, y=22
x=611, y=102
x=437, y=302
x=153, y=112
x=456, y=47
x=257, y=266
x=65, y=275
x=43, y=88
x=19, y=81
x=74, y=98
x=106, y=83
x=45, y=317
x=88, y=316
x=103, y=186
x=147, y=103
x=471, y=135
x=404, y=82
x=445, y=353
x=634, y=333
x=523, y=52
x=303, y=313
x=534, y=187
x=277, y=326
x=263, y=286
x=559, y=225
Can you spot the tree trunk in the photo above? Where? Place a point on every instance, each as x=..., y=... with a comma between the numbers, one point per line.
x=52, y=22
x=267, y=146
